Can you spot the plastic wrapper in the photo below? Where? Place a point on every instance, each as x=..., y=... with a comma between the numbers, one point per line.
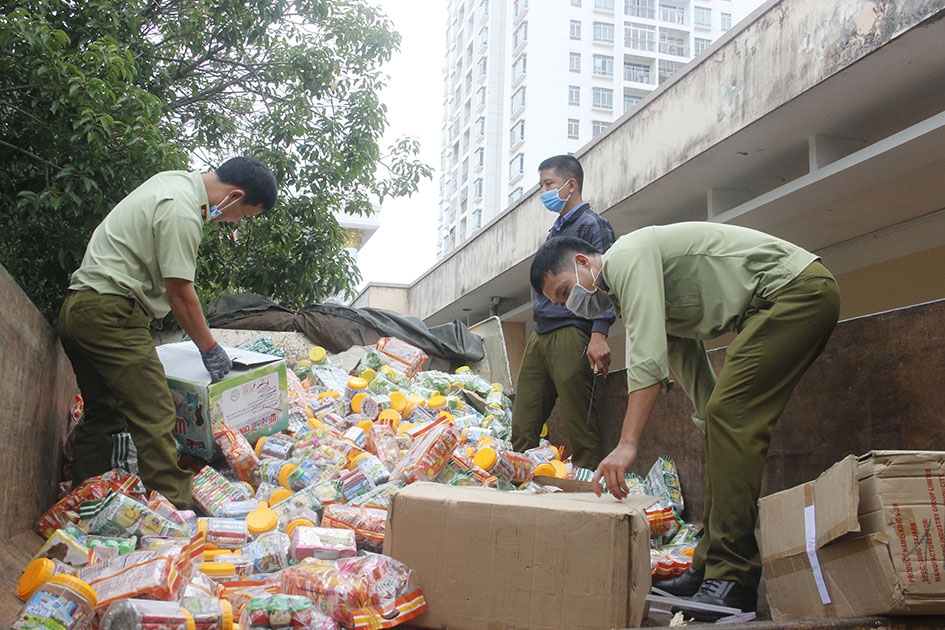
x=162, y=505
x=667, y=564
x=427, y=456
x=323, y=543
x=369, y=524
x=119, y=515
x=366, y=591
x=145, y=614
x=212, y=490
x=380, y=496
x=150, y=574
x=263, y=612
x=663, y=482
x=66, y=510
x=403, y=356
x=663, y=521
x=237, y=451
x=269, y=552
x=308, y=499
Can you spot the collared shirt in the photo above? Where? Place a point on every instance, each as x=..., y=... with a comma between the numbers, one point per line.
x=150, y=235
x=561, y=220
x=676, y=285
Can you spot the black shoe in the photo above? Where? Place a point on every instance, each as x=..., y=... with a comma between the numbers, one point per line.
x=685, y=585
x=720, y=593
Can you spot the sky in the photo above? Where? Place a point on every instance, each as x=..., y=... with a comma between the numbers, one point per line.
x=404, y=247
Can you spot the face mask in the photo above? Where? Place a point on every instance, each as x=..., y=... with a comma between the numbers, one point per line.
x=585, y=303
x=552, y=201
x=216, y=211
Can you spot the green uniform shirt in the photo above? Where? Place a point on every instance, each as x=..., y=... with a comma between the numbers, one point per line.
x=152, y=234
x=675, y=285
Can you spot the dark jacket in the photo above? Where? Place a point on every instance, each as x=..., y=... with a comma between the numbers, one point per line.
x=596, y=230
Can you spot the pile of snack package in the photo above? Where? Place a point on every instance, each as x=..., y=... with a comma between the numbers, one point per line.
x=290, y=530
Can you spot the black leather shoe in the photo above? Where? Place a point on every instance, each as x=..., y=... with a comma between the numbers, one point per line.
x=685, y=585
x=720, y=593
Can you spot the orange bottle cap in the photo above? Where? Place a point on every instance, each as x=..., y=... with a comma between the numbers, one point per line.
x=35, y=575
x=486, y=458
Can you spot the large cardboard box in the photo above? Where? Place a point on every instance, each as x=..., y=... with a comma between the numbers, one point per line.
x=866, y=537
x=252, y=399
x=495, y=560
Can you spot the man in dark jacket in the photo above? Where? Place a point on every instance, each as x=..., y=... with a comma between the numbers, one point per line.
x=566, y=352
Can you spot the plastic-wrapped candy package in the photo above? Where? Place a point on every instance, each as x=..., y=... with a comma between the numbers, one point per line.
x=266, y=611
x=66, y=509
x=663, y=482
x=366, y=591
x=119, y=515
x=368, y=523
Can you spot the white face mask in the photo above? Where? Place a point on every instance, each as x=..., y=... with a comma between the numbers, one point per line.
x=216, y=211
x=585, y=303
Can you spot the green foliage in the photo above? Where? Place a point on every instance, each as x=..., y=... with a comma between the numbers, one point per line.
x=98, y=96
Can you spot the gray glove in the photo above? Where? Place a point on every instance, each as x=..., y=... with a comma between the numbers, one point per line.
x=217, y=361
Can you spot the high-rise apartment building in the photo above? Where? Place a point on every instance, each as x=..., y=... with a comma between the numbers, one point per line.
x=527, y=80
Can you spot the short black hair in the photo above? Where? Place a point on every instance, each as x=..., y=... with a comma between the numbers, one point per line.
x=566, y=166
x=254, y=177
x=554, y=256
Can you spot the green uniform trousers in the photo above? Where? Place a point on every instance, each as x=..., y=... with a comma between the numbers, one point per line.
x=773, y=349
x=555, y=367
x=123, y=387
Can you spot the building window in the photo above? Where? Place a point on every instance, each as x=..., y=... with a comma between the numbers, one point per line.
x=515, y=195
x=630, y=101
x=482, y=66
x=477, y=189
x=674, y=43
x=726, y=21
x=574, y=62
x=517, y=133
x=639, y=36
x=575, y=29
x=480, y=157
x=518, y=7
x=598, y=126
x=604, y=5
x=480, y=127
x=484, y=7
x=603, y=65
x=699, y=45
x=476, y=219
x=484, y=36
x=520, y=35
x=518, y=99
x=603, y=98
x=604, y=32
x=575, y=3
x=636, y=72
x=668, y=69
x=672, y=14
x=574, y=95
x=518, y=67
x=517, y=166
x=640, y=8
x=702, y=16
x=574, y=128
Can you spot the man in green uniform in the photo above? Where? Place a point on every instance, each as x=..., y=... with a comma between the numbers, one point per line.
x=674, y=286
x=139, y=265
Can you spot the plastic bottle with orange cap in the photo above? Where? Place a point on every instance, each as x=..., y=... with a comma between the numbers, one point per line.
x=148, y=614
x=63, y=601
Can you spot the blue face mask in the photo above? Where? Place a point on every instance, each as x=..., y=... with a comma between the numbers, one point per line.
x=216, y=211
x=552, y=201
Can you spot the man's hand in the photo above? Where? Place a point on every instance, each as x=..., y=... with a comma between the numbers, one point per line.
x=598, y=353
x=217, y=361
x=613, y=469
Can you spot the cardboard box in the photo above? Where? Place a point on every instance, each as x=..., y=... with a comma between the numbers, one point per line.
x=867, y=537
x=252, y=399
x=487, y=559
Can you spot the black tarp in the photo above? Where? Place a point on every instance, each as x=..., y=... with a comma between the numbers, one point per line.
x=338, y=328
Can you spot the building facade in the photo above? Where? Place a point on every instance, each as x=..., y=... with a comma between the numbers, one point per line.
x=524, y=81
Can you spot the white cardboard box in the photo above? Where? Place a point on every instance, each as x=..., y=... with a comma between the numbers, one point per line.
x=867, y=537
x=251, y=399
x=492, y=560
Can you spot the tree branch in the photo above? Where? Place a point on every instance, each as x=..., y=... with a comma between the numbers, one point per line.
x=31, y=155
